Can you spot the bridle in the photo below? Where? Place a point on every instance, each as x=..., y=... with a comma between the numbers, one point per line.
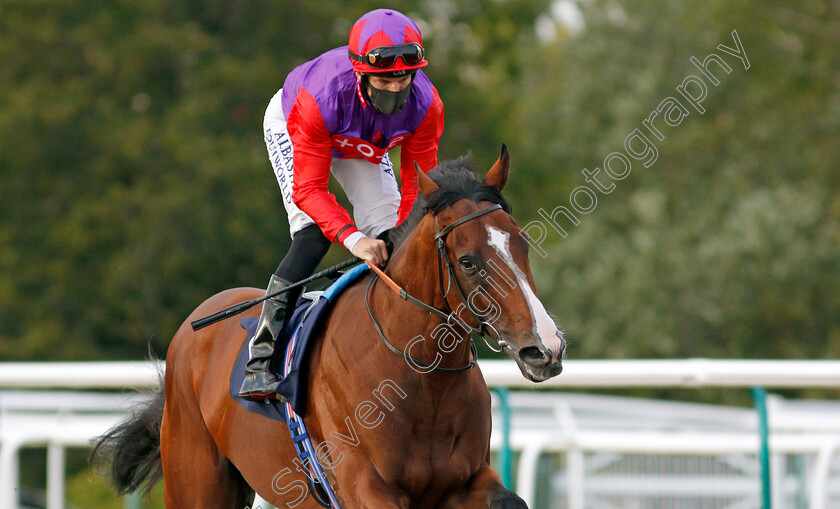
x=447, y=315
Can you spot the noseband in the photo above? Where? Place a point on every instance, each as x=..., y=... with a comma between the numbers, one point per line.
x=448, y=315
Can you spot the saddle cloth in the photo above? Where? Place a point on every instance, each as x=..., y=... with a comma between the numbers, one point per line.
x=309, y=311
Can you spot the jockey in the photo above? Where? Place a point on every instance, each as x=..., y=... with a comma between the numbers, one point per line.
x=341, y=113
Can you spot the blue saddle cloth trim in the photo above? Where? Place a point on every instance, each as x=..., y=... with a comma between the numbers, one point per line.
x=304, y=321
x=342, y=282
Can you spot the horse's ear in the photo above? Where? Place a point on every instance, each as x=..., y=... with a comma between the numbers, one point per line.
x=427, y=186
x=498, y=175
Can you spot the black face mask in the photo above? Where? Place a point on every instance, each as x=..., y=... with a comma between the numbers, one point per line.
x=385, y=101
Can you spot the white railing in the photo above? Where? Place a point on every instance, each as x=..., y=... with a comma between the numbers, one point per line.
x=821, y=437
x=586, y=429
x=498, y=373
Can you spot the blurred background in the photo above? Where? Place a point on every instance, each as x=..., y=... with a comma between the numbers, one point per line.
x=135, y=183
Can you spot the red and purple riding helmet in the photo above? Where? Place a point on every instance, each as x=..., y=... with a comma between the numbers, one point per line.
x=385, y=41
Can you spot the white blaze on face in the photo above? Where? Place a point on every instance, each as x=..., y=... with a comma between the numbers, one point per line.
x=543, y=324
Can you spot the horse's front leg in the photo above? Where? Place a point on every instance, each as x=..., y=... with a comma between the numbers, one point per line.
x=369, y=491
x=485, y=490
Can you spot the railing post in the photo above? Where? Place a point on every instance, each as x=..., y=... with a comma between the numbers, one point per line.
x=759, y=395
x=505, y=454
x=55, y=476
x=132, y=500
x=822, y=473
x=9, y=473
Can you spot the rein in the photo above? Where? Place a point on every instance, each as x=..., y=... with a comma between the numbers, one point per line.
x=448, y=315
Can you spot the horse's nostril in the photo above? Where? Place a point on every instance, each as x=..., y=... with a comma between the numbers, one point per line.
x=562, y=341
x=533, y=355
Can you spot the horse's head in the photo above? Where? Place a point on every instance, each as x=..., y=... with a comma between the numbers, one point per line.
x=489, y=257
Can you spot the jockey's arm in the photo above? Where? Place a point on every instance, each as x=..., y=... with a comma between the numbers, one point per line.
x=421, y=148
x=312, y=160
x=310, y=192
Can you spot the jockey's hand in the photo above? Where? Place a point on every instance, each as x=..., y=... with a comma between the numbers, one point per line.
x=372, y=250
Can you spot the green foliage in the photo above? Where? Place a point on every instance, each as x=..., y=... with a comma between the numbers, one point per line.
x=135, y=177
x=727, y=246
x=135, y=181
x=88, y=489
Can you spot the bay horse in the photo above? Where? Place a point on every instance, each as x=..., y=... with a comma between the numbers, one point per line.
x=398, y=409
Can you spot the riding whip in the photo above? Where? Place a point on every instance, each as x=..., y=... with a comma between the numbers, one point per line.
x=242, y=306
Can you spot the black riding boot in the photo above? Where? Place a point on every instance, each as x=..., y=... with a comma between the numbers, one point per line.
x=260, y=381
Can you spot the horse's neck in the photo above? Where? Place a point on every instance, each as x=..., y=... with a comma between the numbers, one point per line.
x=415, y=268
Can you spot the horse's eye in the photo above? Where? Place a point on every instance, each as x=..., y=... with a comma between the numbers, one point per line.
x=467, y=264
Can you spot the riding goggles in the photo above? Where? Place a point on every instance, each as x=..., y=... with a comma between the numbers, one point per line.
x=385, y=57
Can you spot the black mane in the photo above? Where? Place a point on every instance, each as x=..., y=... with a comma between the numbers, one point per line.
x=456, y=180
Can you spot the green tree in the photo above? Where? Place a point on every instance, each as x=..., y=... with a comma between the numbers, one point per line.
x=727, y=246
x=135, y=180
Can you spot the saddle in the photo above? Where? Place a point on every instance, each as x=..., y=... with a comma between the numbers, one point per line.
x=291, y=354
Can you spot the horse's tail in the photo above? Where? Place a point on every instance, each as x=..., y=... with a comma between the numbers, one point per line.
x=133, y=447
